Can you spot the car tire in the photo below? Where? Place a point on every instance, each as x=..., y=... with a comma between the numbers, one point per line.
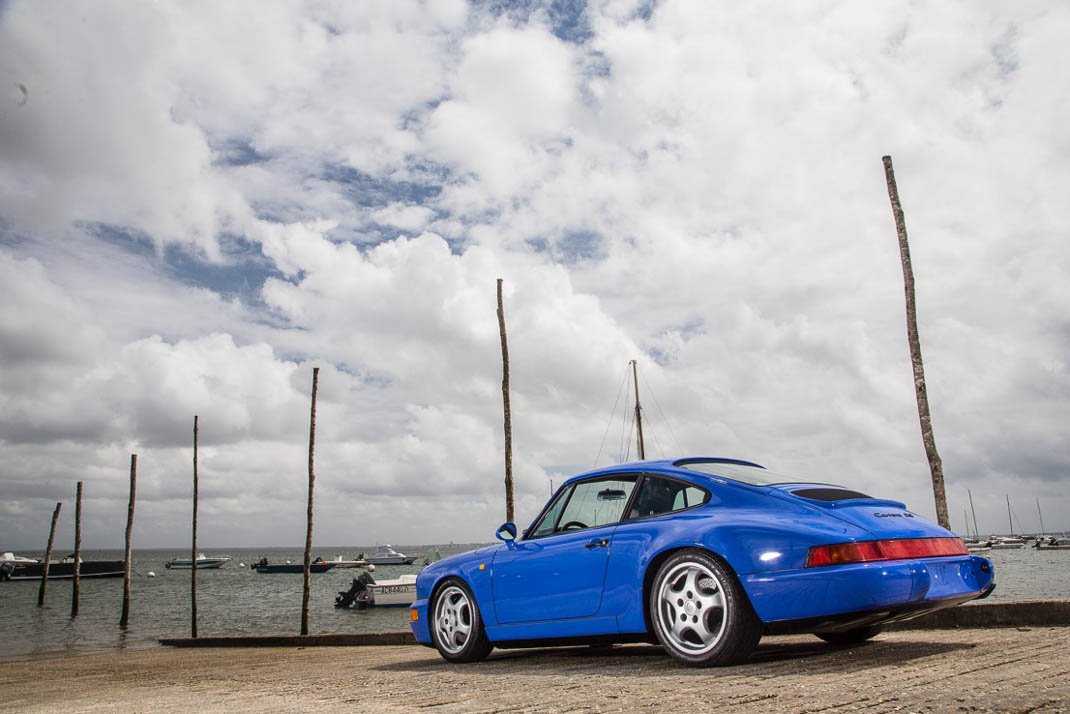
x=851, y=637
x=456, y=625
x=699, y=612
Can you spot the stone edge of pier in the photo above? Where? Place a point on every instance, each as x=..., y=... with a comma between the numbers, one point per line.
x=1029, y=613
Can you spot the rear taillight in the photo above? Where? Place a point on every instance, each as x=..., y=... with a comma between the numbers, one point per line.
x=870, y=550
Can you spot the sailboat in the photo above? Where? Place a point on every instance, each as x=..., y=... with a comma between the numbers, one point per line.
x=1011, y=542
x=636, y=416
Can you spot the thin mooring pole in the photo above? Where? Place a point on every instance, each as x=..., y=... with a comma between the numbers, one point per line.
x=508, y=411
x=125, y=618
x=638, y=413
x=193, y=548
x=936, y=466
x=76, y=583
x=48, y=556
x=311, y=484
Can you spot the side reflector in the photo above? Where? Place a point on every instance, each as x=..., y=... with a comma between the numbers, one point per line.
x=870, y=550
x=414, y=615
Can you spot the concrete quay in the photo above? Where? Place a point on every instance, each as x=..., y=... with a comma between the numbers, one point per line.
x=1006, y=669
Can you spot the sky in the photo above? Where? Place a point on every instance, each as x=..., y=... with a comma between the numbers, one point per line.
x=201, y=202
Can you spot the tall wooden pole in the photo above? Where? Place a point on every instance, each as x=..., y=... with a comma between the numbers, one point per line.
x=48, y=556
x=76, y=583
x=311, y=485
x=125, y=618
x=508, y=411
x=638, y=412
x=936, y=466
x=193, y=548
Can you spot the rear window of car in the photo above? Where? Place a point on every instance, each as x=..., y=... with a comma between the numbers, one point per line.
x=658, y=495
x=753, y=475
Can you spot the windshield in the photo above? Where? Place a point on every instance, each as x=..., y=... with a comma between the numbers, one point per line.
x=754, y=475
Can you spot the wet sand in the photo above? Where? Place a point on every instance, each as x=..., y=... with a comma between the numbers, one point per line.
x=1025, y=669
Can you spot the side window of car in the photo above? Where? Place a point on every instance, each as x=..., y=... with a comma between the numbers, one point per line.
x=659, y=495
x=596, y=503
x=688, y=497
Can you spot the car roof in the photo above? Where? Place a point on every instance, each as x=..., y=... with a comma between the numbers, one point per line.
x=675, y=465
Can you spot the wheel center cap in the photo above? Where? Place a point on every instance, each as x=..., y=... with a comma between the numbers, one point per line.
x=689, y=608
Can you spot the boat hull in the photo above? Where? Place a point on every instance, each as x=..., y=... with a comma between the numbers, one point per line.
x=393, y=595
x=407, y=560
x=293, y=568
x=65, y=570
x=202, y=564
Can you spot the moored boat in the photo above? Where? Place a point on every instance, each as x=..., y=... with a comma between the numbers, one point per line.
x=359, y=562
x=368, y=592
x=319, y=565
x=387, y=555
x=13, y=567
x=204, y=562
x=1052, y=543
x=1007, y=543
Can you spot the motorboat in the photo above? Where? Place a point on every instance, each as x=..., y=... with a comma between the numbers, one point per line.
x=1007, y=543
x=319, y=565
x=359, y=562
x=367, y=592
x=204, y=562
x=387, y=555
x=14, y=567
x=1052, y=543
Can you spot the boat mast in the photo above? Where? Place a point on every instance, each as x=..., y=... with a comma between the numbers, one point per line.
x=1042, y=531
x=638, y=412
x=1009, y=519
x=976, y=533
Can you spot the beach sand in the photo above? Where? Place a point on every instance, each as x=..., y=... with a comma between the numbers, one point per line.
x=998, y=669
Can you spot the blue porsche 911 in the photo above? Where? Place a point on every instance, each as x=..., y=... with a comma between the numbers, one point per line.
x=701, y=555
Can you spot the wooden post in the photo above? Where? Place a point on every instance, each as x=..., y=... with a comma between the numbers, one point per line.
x=936, y=466
x=125, y=618
x=506, y=408
x=48, y=557
x=193, y=548
x=76, y=583
x=311, y=484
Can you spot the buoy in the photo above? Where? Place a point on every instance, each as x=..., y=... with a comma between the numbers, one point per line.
x=151, y=574
x=371, y=567
x=241, y=565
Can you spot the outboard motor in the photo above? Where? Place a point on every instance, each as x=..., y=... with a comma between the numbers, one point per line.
x=6, y=569
x=358, y=593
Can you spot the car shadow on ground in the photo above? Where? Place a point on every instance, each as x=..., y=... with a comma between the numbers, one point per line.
x=773, y=654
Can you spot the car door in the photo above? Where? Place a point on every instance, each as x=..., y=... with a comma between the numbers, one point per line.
x=558, y=570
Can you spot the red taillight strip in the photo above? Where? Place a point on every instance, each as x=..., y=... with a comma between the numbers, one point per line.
x=870, y=550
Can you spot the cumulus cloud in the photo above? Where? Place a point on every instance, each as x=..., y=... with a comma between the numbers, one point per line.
x=199, y=204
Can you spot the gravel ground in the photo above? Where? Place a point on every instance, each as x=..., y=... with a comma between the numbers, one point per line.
x=970, y=670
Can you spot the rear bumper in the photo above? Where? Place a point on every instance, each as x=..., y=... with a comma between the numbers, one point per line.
x=879, y=592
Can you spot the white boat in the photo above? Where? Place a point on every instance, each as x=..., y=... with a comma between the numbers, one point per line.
x=359, y=562
x=1007, y=543
x=386, y=555
x=367, y=592
x=204, y=562
x=1052, y=543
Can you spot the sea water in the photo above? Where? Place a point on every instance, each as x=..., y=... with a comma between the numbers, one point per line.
x=231, y=601
x=238, y=601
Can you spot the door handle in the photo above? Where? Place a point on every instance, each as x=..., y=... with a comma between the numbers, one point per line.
x=598, y=543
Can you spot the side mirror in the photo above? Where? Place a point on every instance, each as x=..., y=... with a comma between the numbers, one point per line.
x=507, y=532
